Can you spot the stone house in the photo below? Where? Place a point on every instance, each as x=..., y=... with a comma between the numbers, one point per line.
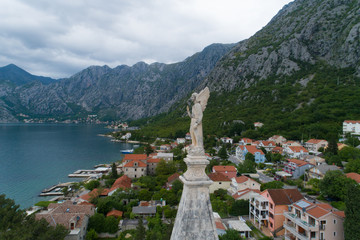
x=319, y=171
x=73, y=217
x=279, y=140
x=135, y=169
x=220, y=181
x=144, y=211
x=151, y=165
x=172, y=179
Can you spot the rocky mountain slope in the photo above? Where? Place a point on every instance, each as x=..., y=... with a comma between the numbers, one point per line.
x=299, y=75
x=123, y=92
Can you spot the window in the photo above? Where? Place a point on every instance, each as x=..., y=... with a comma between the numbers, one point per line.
x=334, y=221
x=219, y=182
x=135, y=169
x=135, y=176
x=334, y=234
x=313, y=235
x=271, y=215
x=271, y=225
x=271, y=205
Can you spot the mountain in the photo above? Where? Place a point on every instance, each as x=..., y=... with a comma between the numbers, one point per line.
x=18, y=76
x=124, y=92
x=299, y=75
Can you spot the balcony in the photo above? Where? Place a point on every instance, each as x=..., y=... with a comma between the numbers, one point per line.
x=300, y=222
x=292, y=229
x=289, y=237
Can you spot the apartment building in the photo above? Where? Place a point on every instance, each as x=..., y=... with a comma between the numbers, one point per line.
x=317, y=221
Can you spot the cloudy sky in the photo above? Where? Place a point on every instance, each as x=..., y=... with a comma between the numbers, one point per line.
x=58, y=38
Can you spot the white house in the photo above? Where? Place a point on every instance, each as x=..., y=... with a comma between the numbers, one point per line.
x=296, y=152
x=241, y=183
x=180, y=140
x=227, y=140
x=351, y=126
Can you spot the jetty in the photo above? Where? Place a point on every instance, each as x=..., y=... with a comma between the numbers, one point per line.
x=84, y=173
x=55, y=190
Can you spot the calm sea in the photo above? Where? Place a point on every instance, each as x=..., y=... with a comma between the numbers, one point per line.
x=37, y=156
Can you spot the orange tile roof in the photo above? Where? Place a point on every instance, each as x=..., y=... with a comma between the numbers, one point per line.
x=340, y=213
x=95, y=193
x=352, y=121
x=315, y=141
x=134, y=157
x=317, y=212
x=243, y=179
x=220, y=225
x=144, y=204
x=241, y=193
x=252, y=149
x=173, y=177
x=115, y=213
x=298, y=149
x=123, y=182
x=266, y=143
x=224, y=169
x=298, y=162
x=218, y=177
x=132, y=163
x=354, y=176
x=153, y=160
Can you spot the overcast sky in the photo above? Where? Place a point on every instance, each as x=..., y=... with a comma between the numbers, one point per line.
x=58, y=38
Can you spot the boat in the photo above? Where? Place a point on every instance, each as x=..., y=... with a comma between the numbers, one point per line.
x=127, y=151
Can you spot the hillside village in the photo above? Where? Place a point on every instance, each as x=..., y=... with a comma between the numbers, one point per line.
x=261, y=189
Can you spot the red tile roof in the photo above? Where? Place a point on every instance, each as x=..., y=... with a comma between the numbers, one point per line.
x=220, y=225
x=354, y=176
x=315, y=141
x=123, y=182
x=298, y=149
x=218, y=177
x=134, y=157
x=298, y=162
x=115, y=213
x=284, y=196
x=252, y=149
x=241, y=193
x=224, y=169
x=243, y=179
x=95, y=193
x=317, y=212
x=173, y=177
x=132, y=163
x=153, y=160
x=352, y=121
x=266, y=143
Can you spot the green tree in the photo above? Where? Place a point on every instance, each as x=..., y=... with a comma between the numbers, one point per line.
x=349, y=153
x=272, y=185
x=240, y=207
x=140, y=230
x=148, y=149
x=352, y=213
x=91, y=235
x=114, y=174
x=97, y=222
x=353, y=166
x=165, y=168
x=177, y=186
x=223, y=153
x=111, y=224
x=332, y=146
x=230, y=234
x=248, y=166
x=92, y=185
x=335, y=184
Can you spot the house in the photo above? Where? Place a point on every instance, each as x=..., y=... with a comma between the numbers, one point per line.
x=354, y=176
x=227, y=140
x=115, y=213
x=123, y=182
x=72, y=216
x=245, y=194
x=313, y=145
x=220, y=181
x=229, y=171
x=241, y=227
x=241, y=152
x=307, y=220
x=220, y=227
x=268, y=145
x=131, y=224
x=165, y=147
x=319, y=171
x=144, y=211
x=188, y=136
x=245, y=141
x=166, y=156
x=296, y=152
x=291, y=143
x=351, y=126
x=172, y=179
x=278, y=150
x=135, y=169
x=258, y=124
x=243, y=182
x=151, y=165
x=279, y=140
x=95, y=193
x=180, y=140
x=267, y=209
x=314, y=160
x=129, y=157
x=127, y=136
x=296, y=167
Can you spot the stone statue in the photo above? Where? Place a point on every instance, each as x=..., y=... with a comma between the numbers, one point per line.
x=196, y=115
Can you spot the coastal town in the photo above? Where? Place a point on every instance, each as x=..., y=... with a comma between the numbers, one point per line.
x=261, y=189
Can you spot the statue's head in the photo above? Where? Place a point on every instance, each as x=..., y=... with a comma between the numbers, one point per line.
x=193, y=97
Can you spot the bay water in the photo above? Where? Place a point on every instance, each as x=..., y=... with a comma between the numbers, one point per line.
x=36, y=156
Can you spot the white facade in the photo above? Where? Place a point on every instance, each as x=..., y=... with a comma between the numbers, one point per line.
x=352, y=127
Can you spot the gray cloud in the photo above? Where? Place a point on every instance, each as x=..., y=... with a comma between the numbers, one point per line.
x=61, y=37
